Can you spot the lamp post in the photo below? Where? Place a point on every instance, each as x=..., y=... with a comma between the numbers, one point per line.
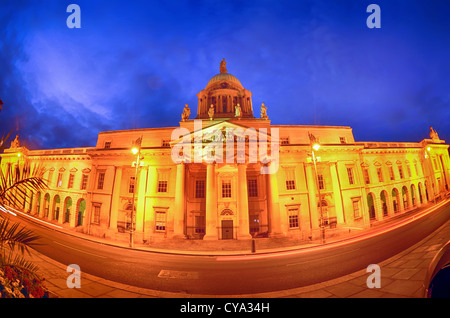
x=136, y=150
x=315, y=147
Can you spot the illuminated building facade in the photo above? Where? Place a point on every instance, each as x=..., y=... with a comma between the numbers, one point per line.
x=91, y=189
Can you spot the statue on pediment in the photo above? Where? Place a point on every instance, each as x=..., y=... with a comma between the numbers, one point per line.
x=433, y=134
x=264, y=112
x=211, y=112
x=15, y=143
x=237, y=111
x=186, y=113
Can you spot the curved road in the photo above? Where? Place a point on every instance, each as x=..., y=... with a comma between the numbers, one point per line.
x=233, y=275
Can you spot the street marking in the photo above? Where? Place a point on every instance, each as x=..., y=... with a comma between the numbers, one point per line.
x=76, y=249
x=36, y=219
x=165, y=273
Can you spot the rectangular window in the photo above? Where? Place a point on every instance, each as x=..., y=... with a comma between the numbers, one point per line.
x=321, y=183
x=163, y=178
x=380, y=174
x=59, y=183
x=284, y=141
x=356, y=210
x=400, y=171
x=131, y=187
x=70, y=184
x=160, y=221
x=84, y=181
x=416, y=169
x=101, y=180
x=293, y=218
x=162, y=186
x=351, y=179
x=366, y=175
x=50, y=178
x=165, y=143
x=391, y=173
x=226, y=189
x=254, y=223
x=97, y=211
x=107, y=144
x=290, y=180
x=408, y=170
x=252, y=188
x=342, y=140
x=199, y=189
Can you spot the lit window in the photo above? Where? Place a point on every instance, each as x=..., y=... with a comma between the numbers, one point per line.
x=163, y=177
x=366, y=175
x=107, y=144
x=97, y=211
x=284, y=141
x=160, y=221
x=293, y=218
x=342, y=140
x=162, y=186
x=356, y=210
x=380, y=175
x=391, y=173
x=165, y=143
x=59, y=183
x=400, y=171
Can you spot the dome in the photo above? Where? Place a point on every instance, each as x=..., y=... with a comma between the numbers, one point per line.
x=224, y=77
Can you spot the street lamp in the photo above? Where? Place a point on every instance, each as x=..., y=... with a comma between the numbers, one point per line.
x=315, y=147
x=136, y=150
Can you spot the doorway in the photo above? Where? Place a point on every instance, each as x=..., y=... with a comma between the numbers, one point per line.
x=227, y=229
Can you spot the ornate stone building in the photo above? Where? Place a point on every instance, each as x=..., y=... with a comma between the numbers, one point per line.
x=92, y=189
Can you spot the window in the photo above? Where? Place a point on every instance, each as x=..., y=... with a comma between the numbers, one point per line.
x=101, y=180
x=284, y=141
x=59, y=183
x=293, y=218
x=107, y=144
x=165, y=143
x=290, y=180
x=50, y=177
x=366, y=175
x=252, y=188
x=84, y=181
x=321, y=183
x=391, y=173
x=131, y=187
x=408, y=170
x=160, y=221
x=356, y=210
x=199, y=189
x=163, y=178
x=70, y=184
x=415, y=169
x=380, y=174
x=400, y=171
x=254, y=223
x=97, y=211
x=342, y=140
x=162, y=186
x=226, y=189
x=351, y=179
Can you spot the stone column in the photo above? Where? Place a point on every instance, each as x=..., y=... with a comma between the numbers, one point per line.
x=273, y=206
x=115, y=199
x=178, y=225
x=140, y=206
x=337, y=194
x=244, y=229
x=211, y=203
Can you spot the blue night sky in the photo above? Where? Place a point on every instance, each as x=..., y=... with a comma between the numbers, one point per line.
x=134, y=64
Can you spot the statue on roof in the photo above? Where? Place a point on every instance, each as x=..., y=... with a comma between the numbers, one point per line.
x=211, y=112
x=264, y=112
x=186, y=113
x=433, y=134
x=237, y=111
x=15, y=143
x=223, y=66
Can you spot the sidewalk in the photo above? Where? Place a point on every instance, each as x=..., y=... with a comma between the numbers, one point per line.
x=401, y=276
